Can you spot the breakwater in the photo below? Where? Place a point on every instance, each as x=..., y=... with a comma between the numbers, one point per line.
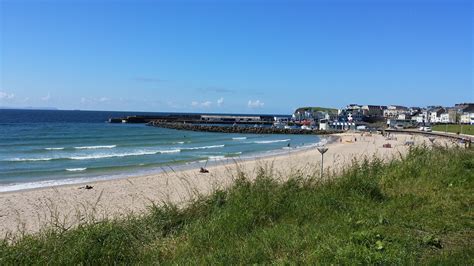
x=240, y=130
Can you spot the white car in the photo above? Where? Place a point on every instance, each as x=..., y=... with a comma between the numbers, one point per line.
x=426, y=129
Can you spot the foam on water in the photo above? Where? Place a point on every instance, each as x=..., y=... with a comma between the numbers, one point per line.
x=54, y=149
x=76, y=169
x=205, y=147
x=271, y=141
x=95, y=147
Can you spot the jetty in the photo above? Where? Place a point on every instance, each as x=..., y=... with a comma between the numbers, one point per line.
x=199, y=119
x=239, y=129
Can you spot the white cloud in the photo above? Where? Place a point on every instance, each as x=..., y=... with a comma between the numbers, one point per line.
x=220, y=101
x=85, y=100
x=6, y=95
x=46, y=98
x=205, y=104
x=255, y=104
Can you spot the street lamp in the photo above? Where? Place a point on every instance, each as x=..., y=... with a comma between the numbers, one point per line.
x=322, y=150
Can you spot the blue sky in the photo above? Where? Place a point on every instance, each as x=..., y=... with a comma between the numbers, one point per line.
x=234, y=56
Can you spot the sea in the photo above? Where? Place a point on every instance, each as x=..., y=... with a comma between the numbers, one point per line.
x=41, y=148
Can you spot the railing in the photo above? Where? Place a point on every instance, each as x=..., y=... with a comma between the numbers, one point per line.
x=435, y=133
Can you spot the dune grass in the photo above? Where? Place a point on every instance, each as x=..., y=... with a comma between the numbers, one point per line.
x=412, y=210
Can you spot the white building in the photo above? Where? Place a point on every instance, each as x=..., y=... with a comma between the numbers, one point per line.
x=434, y=114
x=467, y=118
x=444, y=118
x=394, y=111
x=418, y=118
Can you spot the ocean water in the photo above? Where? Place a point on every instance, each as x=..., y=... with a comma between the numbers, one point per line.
x=43, y=148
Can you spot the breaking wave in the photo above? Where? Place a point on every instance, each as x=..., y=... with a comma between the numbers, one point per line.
x=54, y=149
x=76, y=169
x=95, y=156
x=96, y=147
x=271, y=141
x=205, y=147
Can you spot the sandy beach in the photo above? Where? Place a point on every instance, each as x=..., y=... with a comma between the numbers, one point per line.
x=29, y=210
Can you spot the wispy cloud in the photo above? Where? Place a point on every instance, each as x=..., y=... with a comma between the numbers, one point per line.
x=205, y=104
x=255, y=104
x=46, y=98
x=6, y=96
x=86, y=100
x=148, y=79
x=220, y=101
x=214, y=90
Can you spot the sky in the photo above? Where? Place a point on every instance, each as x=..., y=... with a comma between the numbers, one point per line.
x=234, y=56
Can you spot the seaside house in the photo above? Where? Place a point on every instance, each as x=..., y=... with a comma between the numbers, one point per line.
x=419, y=118
x=448, y=116
x=394, y=111
x=373, y=110
x=467, y=113
x=352, y=113
x=434, y=114
x=467, y=118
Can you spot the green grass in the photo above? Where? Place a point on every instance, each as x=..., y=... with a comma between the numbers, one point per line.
x=413, y=210
x=466, y=129
x=316, y=109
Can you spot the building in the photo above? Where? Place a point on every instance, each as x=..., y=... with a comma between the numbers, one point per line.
x=373, y=110
x=434, y=114
x=394, y=111
x=466, y=111
x=448, y=116
x=351, y=113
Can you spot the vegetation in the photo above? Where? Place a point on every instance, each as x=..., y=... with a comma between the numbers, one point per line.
x=317, y=109
x=466, y=129
x=417, y=209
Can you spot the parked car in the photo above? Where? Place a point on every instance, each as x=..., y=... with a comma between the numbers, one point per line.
x=426, y=129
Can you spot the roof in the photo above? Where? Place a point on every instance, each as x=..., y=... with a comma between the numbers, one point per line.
x=468, y=109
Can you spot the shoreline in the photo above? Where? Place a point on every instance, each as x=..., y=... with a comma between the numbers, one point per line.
x=30, y=210
x=327, y=139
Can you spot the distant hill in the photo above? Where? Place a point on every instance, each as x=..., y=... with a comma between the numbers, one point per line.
x=316, y=109
x=29, y=108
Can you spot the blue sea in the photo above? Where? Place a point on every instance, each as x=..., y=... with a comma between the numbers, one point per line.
x=44, y=147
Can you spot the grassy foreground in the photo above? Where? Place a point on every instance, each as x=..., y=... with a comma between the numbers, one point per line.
x=466, y=129
x=413, y=210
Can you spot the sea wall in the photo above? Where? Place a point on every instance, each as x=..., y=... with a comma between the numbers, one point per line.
x=238, y=129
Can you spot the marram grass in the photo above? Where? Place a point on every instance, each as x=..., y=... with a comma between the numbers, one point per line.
x=416, y=209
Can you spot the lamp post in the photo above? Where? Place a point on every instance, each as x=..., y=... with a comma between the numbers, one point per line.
x=322, y=150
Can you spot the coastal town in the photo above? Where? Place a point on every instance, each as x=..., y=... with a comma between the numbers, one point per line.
x=319, y=119
x=356, y=116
